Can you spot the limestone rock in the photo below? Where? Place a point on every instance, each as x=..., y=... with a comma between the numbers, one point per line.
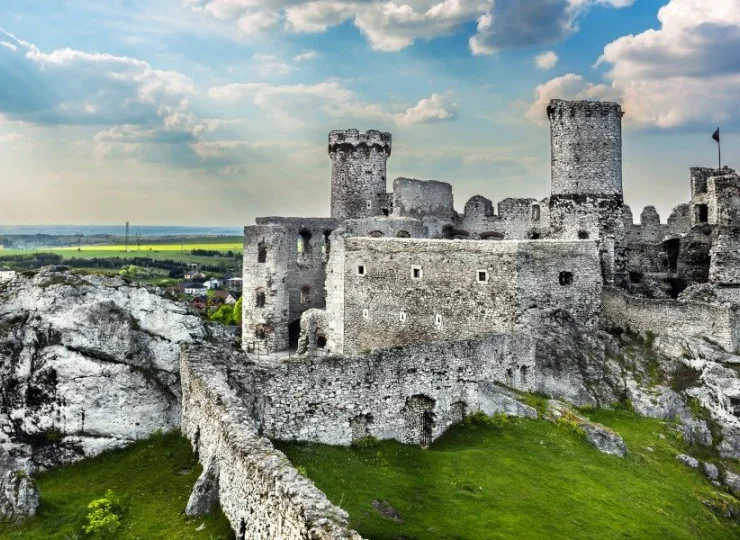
x=600, y=437
x=688, y=460
x=87, y=363
x=205, y=491
x=711, y=471
x=496, y=399
x=19, y=496
x=732, y=481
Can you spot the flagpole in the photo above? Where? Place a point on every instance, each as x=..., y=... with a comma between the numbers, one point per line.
x=719, y=154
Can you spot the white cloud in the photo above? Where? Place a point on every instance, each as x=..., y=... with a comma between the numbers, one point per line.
x=391, y=25
x=568, y=86
x=292, y=102
x=436, y=108
x=305, y=56
x=268, y=64
x=10, y=46
x=686, y=72
x=67, y=86
x=546, y=60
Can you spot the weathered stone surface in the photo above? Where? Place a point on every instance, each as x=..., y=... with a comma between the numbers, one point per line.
x=496, y=399
x=87, y=363
x=688, y=461
x=205, y=491
x=732, y=481
x=711, y=471
x=600, y=437
x=19, y=495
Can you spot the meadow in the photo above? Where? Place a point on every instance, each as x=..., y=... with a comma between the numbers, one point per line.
x=523, y=479
x=151, y=478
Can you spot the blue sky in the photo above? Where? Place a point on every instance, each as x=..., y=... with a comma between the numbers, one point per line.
x=212, y=112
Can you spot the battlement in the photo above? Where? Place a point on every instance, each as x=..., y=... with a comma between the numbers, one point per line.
x=348, y=139
x=562, y=110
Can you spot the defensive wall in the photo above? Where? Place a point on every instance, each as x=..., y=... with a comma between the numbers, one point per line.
x=384, y=292
x=718, y=323
x=260, y=492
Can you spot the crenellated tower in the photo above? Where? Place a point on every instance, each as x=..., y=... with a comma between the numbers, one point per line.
x=586, y=200
x=358, y=173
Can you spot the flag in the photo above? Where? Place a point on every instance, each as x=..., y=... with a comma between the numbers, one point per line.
x=715, y=135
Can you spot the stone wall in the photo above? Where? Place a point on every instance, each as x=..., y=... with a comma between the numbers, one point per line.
x=671, y=317
x=393, y=292
x=285, y=262
x=260, y=492
x=335, y=400
x=358, y=173
x=420, y=198
x=402, y=227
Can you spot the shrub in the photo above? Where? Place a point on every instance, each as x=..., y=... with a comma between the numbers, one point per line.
x=366, y=442
x=570, y=422
x=498, y=420
x=104, y=516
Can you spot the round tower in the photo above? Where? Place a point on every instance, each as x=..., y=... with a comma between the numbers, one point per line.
x=586, y=200
x=358, y=173
x=586, y=145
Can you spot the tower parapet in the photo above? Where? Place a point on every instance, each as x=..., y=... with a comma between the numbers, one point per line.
x=358, y=173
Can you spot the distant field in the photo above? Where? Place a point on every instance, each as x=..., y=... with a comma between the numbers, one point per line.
x=178, y=252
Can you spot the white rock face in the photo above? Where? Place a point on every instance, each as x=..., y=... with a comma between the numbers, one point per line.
x=87, y=363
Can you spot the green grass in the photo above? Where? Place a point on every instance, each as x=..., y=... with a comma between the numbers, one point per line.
x=153, y=479
x=527, y=479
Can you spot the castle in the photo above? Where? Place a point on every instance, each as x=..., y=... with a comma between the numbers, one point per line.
x=391, y=269
x=397, y=317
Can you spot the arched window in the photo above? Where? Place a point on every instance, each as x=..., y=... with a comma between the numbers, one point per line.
x=260, y=298
x=376, y=234
x=259, y=332
x=261, y=253
x=535, y=212
x=305, y=295
x=304, y=241
x=403, y=234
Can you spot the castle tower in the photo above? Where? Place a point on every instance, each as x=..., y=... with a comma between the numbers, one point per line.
x=358, y=173
x=586, y=199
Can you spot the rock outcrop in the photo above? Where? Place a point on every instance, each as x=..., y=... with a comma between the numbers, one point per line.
x=87, y=363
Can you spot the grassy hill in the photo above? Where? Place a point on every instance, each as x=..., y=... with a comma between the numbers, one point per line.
x=526, y=479
x=152, y=479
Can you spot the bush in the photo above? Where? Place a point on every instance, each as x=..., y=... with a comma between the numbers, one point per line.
x=365, y=443
x=479, y=418
x=104, y=516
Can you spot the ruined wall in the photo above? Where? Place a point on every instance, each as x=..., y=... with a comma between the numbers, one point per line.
x=385, y=393
x=260, y=492
x=724, y=268
x=694, y=256
x=419, y=198
x=396, y=292
x=358, y=173
x=381, y=226
x=291, y=278
x=717, y=323
x=523, y=219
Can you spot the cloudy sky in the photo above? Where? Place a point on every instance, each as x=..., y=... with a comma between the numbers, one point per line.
x=212, y=112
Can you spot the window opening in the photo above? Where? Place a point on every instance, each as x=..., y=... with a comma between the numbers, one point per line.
x=261, y=253
x=305, y=295
x=535, y=212
x=361, y=270
x=260, y=302
x=565, y=278
x=702, y=213
x=482, y=276
x=582, y=235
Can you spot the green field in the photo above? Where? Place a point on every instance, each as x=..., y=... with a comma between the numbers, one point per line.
x=528, y=479
x=152, y=478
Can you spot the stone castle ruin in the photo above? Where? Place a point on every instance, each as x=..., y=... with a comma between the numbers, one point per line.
x=391, y=269
x=394, y=318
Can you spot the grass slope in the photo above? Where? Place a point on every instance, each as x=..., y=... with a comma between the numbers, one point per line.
x=153, y=479
x=528, y=479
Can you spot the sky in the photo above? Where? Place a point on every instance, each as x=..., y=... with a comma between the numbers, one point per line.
x=214, y=112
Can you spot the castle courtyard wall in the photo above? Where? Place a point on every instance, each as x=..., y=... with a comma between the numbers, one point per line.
x=260, y=492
